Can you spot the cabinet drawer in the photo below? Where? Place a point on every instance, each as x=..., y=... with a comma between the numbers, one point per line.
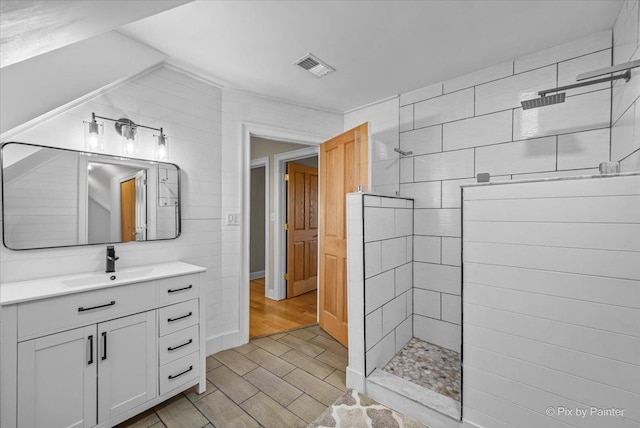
x=177, y=345
x=179, y=372
x=177, y=317
x=178, y=289
x=45, y=316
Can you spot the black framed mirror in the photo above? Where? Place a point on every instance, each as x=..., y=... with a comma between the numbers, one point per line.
x=53, y=197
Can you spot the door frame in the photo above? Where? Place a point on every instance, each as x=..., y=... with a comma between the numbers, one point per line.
x=259, y=163
x=280, y=213
x=250, y=129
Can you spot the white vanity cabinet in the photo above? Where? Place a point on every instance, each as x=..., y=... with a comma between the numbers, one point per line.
x=57, y=380
x=98, y=357
x=118, y=356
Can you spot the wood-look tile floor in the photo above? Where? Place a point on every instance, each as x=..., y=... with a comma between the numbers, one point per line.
x=282, y=380
x=267, y=316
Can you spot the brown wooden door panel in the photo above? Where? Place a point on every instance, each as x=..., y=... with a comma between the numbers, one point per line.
x=343, y=166
x=302, y=237
x=128, y=210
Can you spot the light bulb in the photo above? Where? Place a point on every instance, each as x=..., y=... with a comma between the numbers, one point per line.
x=161, y=148
x=92, y=140
x=130, y=147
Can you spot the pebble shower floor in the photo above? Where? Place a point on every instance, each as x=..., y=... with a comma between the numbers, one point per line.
x=429, y=366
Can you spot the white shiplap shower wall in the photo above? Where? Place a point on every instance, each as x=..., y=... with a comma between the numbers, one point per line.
x=190, y=111
x=552, y=302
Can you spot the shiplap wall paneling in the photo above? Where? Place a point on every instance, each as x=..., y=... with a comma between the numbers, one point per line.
x=551, y=301
x=190, y=111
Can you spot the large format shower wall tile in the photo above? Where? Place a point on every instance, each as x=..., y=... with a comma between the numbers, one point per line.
x=406, y=118
x=436, y=277
x=478, y=131
x=625, y=93
x=422, y=141
x=507, y=93
x=485, y=75
x=440, y=333
x=446, y=108
x=586, y=45
x=583, y=149
x=427, y=249
x=625, y=33
x=421, y=94
x=437, y=222
x=579, y=113
x=520, y=156
x=425, y=194
x=568, y=70
x=444, y=166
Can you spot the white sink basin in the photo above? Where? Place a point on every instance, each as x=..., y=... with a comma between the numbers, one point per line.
x=106, y=278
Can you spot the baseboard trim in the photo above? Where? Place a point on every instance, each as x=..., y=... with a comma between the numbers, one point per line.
x=257, y=274
x=224, y=341
x=355, y=380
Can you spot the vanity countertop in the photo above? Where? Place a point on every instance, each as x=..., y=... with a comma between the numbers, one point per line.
x=24, y=291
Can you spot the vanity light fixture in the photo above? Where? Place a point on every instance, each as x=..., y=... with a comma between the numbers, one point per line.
x=93, y=135
x=161, y=147
x=127, y=129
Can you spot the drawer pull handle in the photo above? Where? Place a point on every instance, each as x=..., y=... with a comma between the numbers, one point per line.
x=189, y=287
x=83, y=309
x=171, y=377
x=104, y=345
x=90, y=339
x=173, y=348
x=179, y=318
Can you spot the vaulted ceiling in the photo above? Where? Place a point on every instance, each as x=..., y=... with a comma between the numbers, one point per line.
x=379, y=48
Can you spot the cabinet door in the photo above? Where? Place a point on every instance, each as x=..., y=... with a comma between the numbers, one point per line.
x=127, y=364
x=57, y=380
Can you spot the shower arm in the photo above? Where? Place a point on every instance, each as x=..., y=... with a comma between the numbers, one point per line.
x=626, y=76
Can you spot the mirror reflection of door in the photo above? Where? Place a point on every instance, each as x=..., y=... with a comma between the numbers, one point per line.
x=128, y=210
x=141, y=205
x=302, y=236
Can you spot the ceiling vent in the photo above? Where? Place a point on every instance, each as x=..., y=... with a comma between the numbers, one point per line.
x=313, y=64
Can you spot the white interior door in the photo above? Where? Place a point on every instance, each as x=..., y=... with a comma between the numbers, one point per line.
x=127, y=364
x=57, y=380
x=141, y=205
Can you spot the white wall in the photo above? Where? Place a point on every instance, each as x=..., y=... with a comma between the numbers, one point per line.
x=265, y=148
x=32, y=196
x=383, y=137
x=552, y=302
x=625, y=133
x=190, y=112
x=80, y=69
x=245, y=109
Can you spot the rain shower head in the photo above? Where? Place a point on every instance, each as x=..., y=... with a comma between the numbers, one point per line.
x=545, y=100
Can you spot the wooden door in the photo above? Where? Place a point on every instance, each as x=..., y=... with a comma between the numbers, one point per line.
x=57, y=380
x=302, y=235
x=128, y=210
x=128, y=364
x=343, y=166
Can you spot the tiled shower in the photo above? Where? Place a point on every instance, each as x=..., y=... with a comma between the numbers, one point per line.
x=468, y=125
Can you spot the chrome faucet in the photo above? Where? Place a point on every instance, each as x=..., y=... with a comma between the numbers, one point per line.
x=111, y=259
